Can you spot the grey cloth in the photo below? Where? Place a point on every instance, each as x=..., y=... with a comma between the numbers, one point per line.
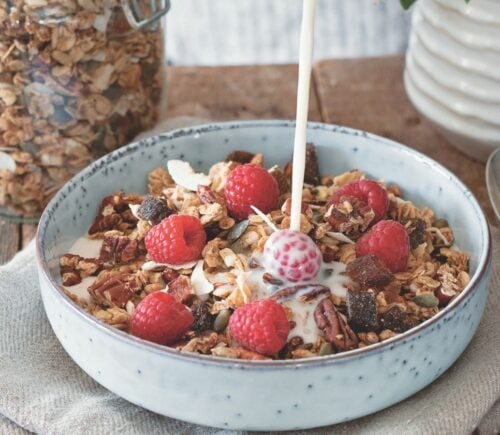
x=43, y=391
x=201, y=32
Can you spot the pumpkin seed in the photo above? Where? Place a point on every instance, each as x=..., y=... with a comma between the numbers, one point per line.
x=325, y=349
x=221, y=320
x=237, y=231
x=426, y=300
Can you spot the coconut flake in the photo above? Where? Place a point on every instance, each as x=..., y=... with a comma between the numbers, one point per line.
x=7, y=163
x=201, y=285
x=339, y=236
x=153, y=265
x=183, y=175
x=134, y=208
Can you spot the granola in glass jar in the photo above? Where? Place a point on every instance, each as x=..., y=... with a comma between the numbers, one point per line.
x=76, y=81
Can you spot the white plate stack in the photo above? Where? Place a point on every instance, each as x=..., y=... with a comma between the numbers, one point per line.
x=453, y=71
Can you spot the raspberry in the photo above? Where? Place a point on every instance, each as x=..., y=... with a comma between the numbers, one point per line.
x=369, y=192
x=261, y=326
x=292, y=256
x=176, y=240
x=160, y=318
x=249, y=185
x=389, y=241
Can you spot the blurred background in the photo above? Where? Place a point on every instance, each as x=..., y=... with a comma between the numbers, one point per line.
x=232, y=32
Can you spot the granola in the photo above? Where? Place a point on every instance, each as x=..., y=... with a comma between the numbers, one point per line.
x=75, y=83
x=354, y=301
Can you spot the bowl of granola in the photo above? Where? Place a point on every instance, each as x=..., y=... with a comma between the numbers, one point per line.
x=169, y=274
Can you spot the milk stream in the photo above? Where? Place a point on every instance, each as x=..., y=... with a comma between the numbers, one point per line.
x=299, y=146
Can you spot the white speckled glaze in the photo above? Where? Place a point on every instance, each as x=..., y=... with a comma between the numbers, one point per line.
x=453, y=71
x=264, y=395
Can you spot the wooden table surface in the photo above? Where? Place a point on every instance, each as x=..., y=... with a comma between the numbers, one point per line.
x=362, y=93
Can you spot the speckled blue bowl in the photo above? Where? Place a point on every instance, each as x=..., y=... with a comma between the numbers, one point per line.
x=273, y=395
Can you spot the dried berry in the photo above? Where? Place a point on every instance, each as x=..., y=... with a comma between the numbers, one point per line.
x=153, y=209
x=240, y=157
x=396, y=320
x=369, y=271
x=311, y=174
x=282, y=179
x=362, y=310
x=416, y=232
x=203, y=320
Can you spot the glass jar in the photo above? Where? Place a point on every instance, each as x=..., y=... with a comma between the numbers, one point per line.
x=78, y=78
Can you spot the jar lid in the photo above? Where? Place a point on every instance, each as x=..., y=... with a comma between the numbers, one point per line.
x=136, y=17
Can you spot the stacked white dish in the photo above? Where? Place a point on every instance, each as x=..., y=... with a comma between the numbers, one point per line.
x=453, y=71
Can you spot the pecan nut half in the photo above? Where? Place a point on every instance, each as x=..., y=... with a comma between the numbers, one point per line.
x=105, y=223
x=116, y=250
x=334, y=326
x=114, y=291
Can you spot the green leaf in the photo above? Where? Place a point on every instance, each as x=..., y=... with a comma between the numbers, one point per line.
x=407, y=3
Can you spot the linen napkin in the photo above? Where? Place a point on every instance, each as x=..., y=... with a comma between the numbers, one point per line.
x=43, y=391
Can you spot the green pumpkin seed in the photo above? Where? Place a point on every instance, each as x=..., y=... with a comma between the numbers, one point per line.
x=237, y=231
x=221, y=321
x=325, y=349
x=426, y=300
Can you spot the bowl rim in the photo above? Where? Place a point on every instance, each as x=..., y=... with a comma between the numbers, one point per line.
x=483, y=263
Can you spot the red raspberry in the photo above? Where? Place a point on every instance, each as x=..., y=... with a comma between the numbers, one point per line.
x=292, y=256
x=248, y=185
x=176, y=240
x=369, y=192
x=160, y=318
x=389, y=241
x=261, y=326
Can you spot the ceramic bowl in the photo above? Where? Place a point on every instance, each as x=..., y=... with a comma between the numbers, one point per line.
x=452, y=71
x=269, y=395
